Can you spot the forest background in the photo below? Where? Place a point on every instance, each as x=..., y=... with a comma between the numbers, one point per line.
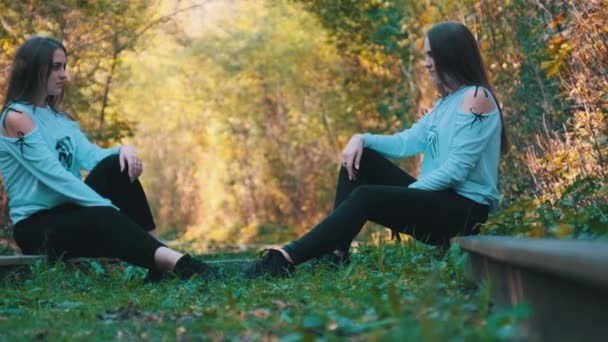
x=240, y=109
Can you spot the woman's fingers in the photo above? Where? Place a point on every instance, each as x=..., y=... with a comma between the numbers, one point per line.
x=135, y=169
x=351, y=156
x=355, y=164
x=358, y=159
x=128, y=158
x=349, y=168
x=121, y=161
x=138, y=169
x=349, y=164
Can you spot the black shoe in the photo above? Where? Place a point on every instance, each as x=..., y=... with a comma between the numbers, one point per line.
x=188, y=267
x=273, y=264
x=331, y=259
x=156, y=276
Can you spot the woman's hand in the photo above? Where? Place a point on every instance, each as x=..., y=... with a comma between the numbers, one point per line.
x=351, y=156
x=128, y=158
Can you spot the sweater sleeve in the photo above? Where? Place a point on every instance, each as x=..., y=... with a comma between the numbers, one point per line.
x=471, y=136
x=88, y=154
x=406, y=143
x=31, y=152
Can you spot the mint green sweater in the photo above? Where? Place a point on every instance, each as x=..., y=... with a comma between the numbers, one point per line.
x=41, y=170
x=461, y=150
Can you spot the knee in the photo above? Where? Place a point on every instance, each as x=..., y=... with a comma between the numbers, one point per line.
x=368, y=153
x=111, y=160
x=370, y=157
x=111, y=165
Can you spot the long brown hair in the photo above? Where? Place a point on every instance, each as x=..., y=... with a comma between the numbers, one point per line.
x=458, y=60
x=31, y=69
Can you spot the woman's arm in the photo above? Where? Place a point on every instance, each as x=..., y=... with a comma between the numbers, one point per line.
x=406, y=143
x=29, y=149
x=88, y=155
x=476, y=123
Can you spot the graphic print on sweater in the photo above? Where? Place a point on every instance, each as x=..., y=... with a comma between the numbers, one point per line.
x=65, y=151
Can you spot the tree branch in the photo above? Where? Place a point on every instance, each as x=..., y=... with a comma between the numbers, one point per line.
x=143, y=30
x=6, y=27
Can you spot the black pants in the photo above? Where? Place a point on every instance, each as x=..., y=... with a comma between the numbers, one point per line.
x=380, y=194
x=70, y=231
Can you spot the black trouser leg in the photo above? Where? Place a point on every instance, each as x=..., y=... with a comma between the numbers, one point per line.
x=107, y=180
x=72, y=231
x=430, y=216
x=374, y=170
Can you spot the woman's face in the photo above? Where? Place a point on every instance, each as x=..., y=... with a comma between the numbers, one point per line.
x=429, y=62
x=58, y=75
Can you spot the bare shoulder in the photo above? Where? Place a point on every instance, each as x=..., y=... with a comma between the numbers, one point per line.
x=477, y=100
x=17, y=123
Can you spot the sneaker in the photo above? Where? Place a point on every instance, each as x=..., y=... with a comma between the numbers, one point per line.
x=331, y=259
x=188, y=267
x=273, y=264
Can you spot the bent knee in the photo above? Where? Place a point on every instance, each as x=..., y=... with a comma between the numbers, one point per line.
x=110, y=162
x=110, y=166
x=369, y=153
x=371, y=157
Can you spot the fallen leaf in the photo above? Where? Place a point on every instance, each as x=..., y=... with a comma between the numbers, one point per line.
x=153, y=318
x=282, y=305
x=257, y=313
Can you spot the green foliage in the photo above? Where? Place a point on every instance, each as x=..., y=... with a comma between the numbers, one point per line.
x=7, y=245
x=390, y=292
x=249, y=119
x=369, y=37
x=581, y=212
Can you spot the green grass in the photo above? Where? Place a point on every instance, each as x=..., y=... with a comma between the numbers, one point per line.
x=389, y=292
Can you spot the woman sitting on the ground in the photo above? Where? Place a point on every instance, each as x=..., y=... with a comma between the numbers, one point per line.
x=42, y=151
x=461, y=137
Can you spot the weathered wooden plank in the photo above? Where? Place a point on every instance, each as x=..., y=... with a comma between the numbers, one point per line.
x=564, y=281
x=582, y=260
x=10, y=260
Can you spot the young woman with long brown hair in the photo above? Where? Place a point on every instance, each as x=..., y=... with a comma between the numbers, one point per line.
x=42, y=151
x=461, y=138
